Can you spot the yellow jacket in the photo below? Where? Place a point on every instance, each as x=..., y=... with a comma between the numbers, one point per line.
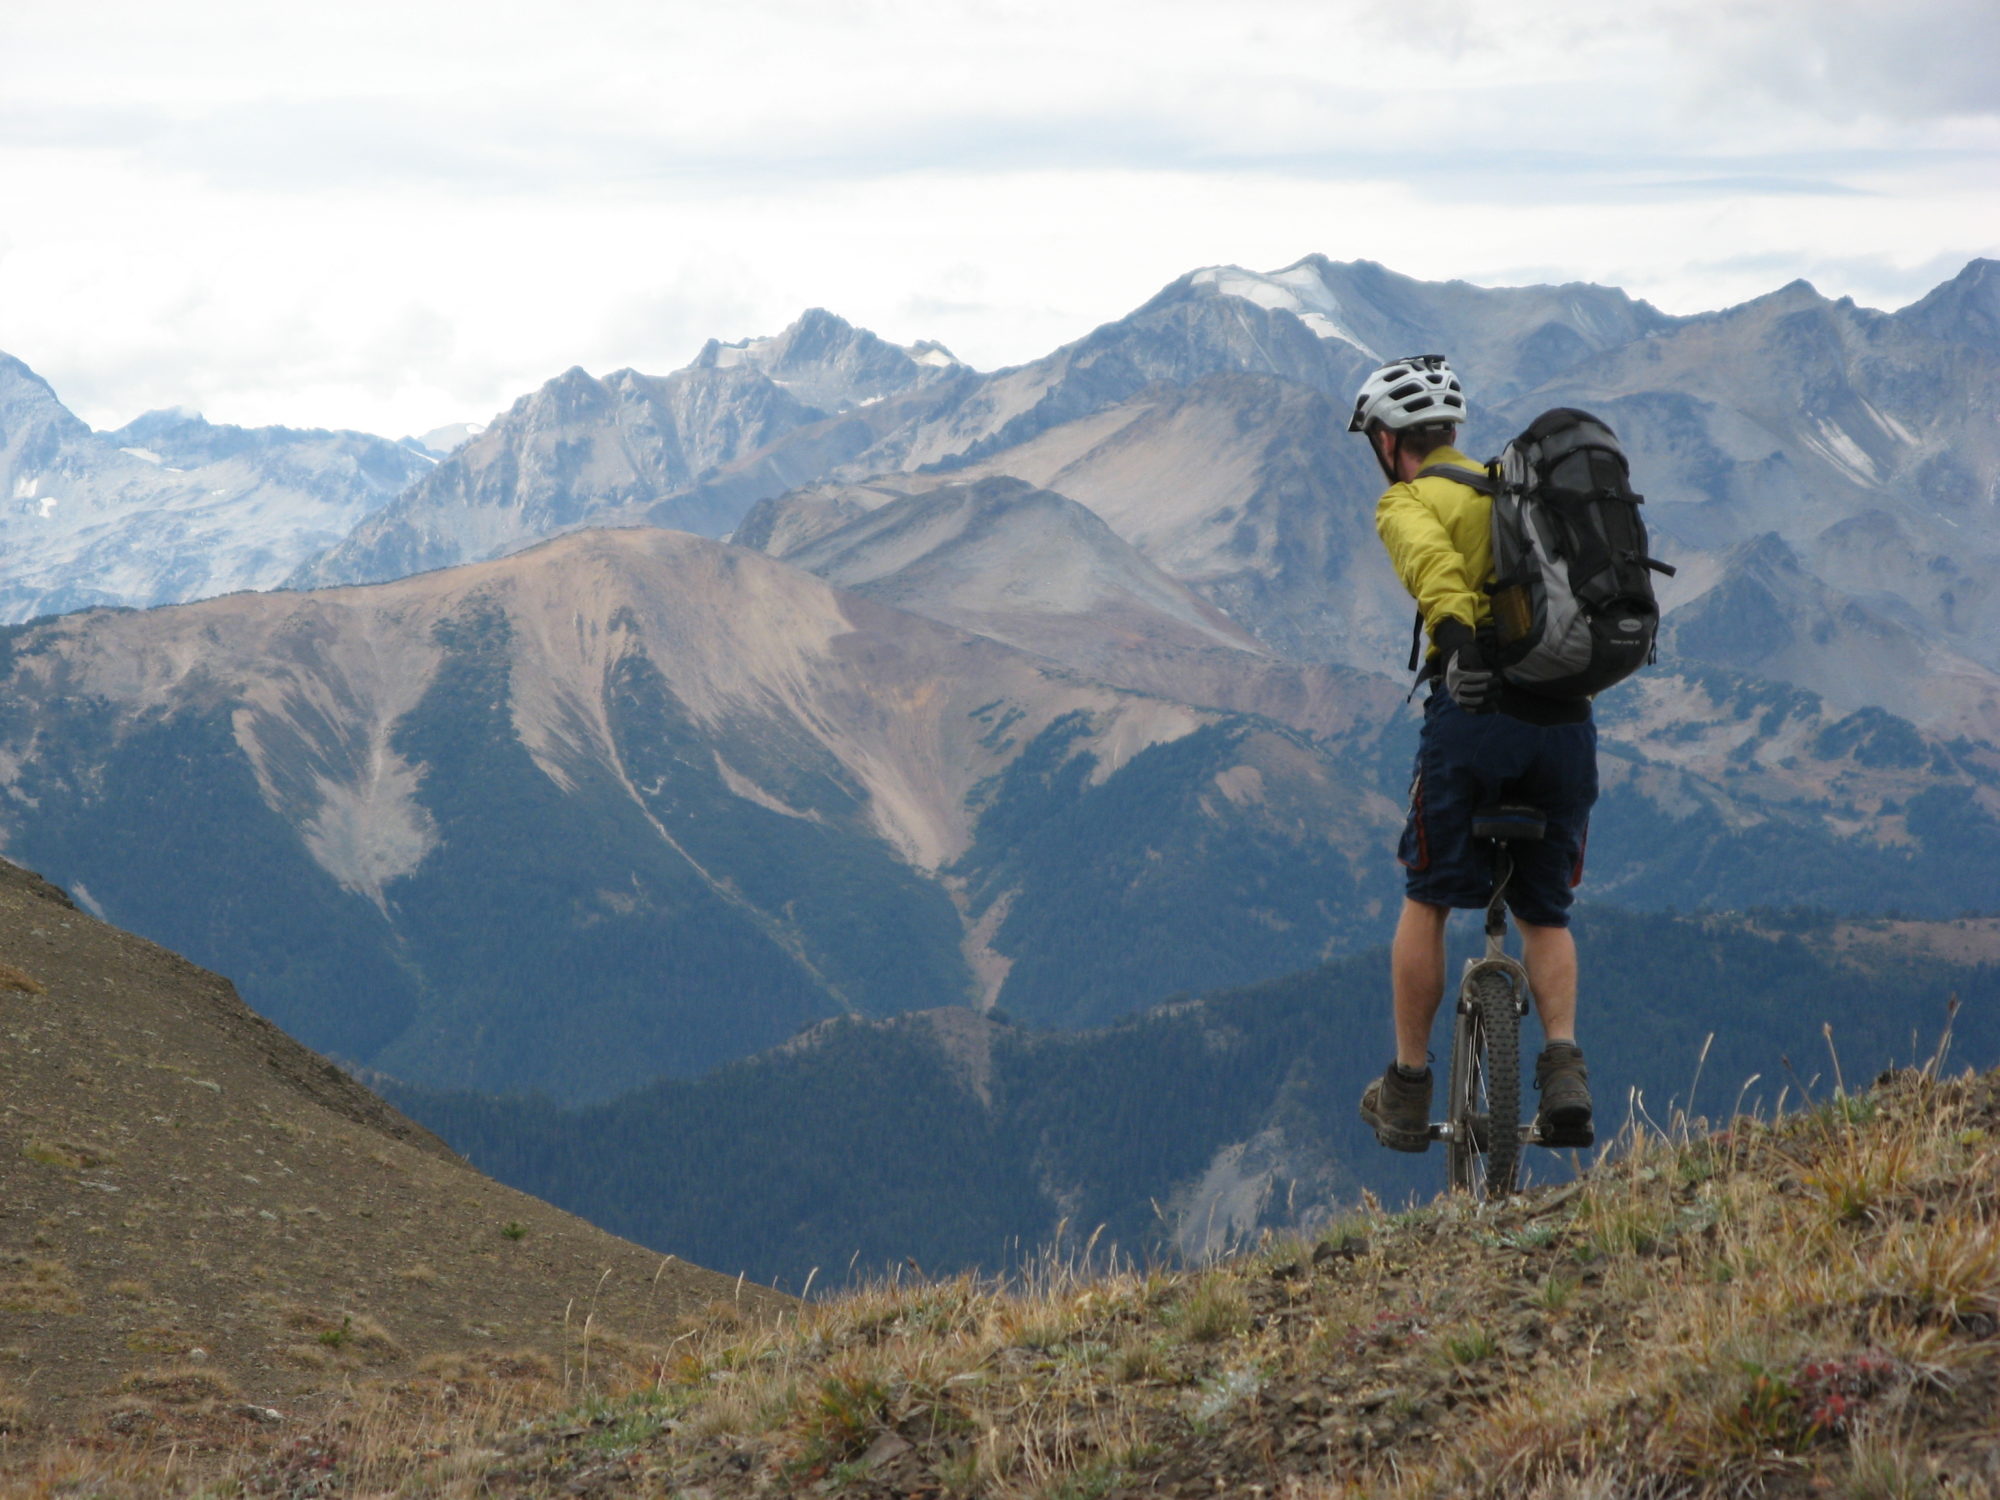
x=1440, y=539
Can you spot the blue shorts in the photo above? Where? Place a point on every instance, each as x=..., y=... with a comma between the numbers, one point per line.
x=1467, y=761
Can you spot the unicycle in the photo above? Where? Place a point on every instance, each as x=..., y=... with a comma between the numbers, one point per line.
x=1482, y=1130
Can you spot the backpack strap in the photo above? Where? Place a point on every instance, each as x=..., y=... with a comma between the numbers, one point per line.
x=1478, y=479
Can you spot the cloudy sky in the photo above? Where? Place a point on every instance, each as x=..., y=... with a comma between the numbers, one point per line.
x=396, y=215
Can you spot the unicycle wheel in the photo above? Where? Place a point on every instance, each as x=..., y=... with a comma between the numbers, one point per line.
x=1483, y=1102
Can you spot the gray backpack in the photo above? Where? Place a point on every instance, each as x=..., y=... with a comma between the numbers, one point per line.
x=1572, y=590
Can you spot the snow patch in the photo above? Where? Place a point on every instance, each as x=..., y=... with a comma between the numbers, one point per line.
x=25, y=486
x=1298, y=291
x=1842, y=450
x=146, y=453
x=742, y=352
x=1888, y=423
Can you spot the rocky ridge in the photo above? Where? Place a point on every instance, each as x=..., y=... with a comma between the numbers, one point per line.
x=584, y=451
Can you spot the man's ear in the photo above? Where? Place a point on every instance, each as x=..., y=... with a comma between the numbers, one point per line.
x=1383, y=444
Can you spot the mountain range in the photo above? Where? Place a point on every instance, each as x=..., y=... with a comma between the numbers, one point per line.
x=1060, y=689
x=1818, y=470
x=170, y=507
x=635, y=802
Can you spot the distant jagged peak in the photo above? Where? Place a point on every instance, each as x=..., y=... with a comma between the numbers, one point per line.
x=1795, y=296
x=1302, y=289
x=1798, y=291
x=827, y=362
x=573, y=392
x=1963, y=310
x=17, y=370
x=931, y=352
x=23, y=392
x=185, y=430
x=162, y=417
x=1365, y=304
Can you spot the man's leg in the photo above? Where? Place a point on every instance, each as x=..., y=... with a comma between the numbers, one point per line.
x=1397, y=1106
x=1565, y=1114
x=1549, y=954
x=1416, y=978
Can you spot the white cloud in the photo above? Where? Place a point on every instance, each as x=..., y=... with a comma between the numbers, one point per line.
x=1846, y=60
x=394, y=216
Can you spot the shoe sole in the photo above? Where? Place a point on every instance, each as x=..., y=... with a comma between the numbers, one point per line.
x=1568, y=1128
x=1397, y=1139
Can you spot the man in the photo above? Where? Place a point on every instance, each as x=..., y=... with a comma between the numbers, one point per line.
x=1483, y=741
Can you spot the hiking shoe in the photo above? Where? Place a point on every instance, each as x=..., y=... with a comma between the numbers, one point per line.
x=1564, y=1083
x=1399, y=1109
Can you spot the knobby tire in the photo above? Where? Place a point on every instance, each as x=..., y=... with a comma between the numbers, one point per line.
x=1484, y=1153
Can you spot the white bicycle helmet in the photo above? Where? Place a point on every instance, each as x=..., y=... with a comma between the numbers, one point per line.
x=1415, y=391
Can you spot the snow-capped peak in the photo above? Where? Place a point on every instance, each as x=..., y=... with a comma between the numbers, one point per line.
x=721, y=356
x=1297, y=290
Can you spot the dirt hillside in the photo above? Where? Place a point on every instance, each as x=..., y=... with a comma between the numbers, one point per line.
x=201, y=1221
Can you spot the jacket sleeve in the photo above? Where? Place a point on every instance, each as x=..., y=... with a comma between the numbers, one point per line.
x=1421, y=551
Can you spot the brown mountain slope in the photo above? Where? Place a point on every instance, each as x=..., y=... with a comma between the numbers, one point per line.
x=198, y=1215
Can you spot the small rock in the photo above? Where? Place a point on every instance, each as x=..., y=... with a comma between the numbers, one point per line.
x=885, y=1449
x=1347, y=1247
x=269, y=1416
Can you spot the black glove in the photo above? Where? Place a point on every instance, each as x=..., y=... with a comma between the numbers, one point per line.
x=1474, y=686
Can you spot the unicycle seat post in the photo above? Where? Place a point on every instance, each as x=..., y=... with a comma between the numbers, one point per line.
x=1496, y=909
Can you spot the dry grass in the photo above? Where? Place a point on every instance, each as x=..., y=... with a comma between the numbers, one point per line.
x=69, y=1155
x=20, y=981
x=178, y=1385
x=1805, y=1307
x=29, y=1284
x=1818, y=1304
